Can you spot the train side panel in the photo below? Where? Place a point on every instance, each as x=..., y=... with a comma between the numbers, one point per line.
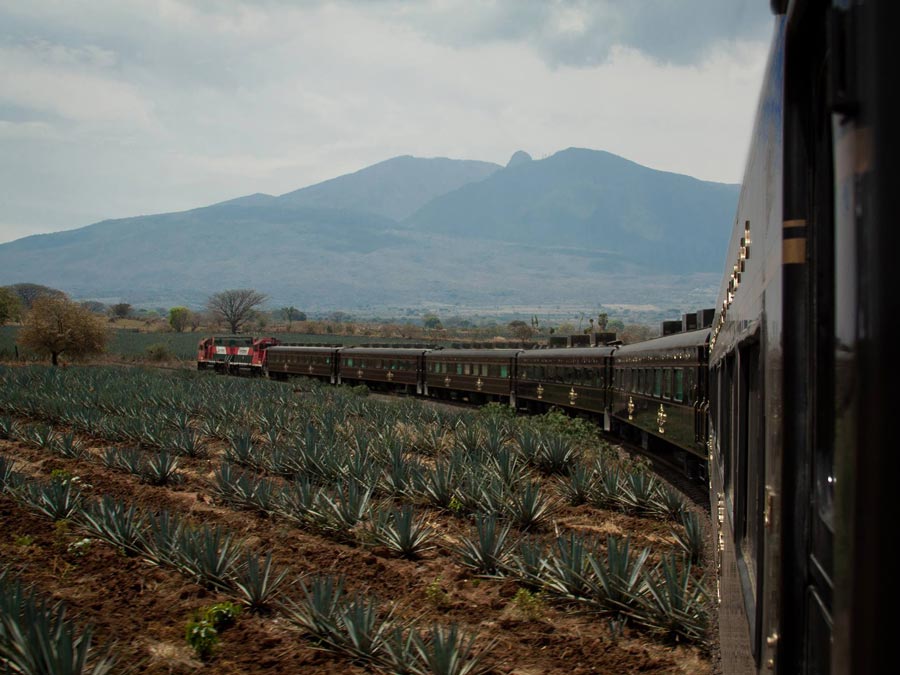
x=746, y=398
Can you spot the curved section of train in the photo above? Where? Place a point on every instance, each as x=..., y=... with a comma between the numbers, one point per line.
x=654, y=393
x=788, y=399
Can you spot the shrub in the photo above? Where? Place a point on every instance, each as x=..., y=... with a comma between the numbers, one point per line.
x=158, y=351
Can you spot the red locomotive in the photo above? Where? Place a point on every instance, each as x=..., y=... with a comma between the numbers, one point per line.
x=235, y=354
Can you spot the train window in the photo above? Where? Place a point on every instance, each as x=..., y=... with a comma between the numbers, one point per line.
x=678, y=394
x=504, y=371
x=459, y=370
x=749, y=463
x=350, y=362
x=327, y=359
x=657, y=383
x=726, y=427
x=667, y=383
x=466, y=369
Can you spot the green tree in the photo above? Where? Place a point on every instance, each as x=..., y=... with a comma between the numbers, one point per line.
x=291, y=314
x=432, y=322
x=236, y=306
x=57, y=326
x=602, y=321
x=179, y=318
x=120, y=310
x=521, y=329
x=28, y=293
x=10, y=306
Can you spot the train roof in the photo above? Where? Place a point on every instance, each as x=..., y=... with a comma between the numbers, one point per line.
x=562, y=352
x=304, y=348
x=694, y=338
x=504, y=353
x=382, y=351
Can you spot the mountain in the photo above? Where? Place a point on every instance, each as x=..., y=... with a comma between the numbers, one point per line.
x=394, y=188
x=592, y=200
x=579, y=226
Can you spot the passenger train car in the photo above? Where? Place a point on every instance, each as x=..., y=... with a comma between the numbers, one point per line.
x=803, y=396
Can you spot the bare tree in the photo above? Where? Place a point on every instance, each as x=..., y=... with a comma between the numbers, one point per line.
x=56, y=326
x=236, y=306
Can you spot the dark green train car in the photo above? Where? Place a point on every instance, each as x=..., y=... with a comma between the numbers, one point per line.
x=660, y=390
x=476, y=375
x=383, y=368
x=576, y=378
x=317, y=362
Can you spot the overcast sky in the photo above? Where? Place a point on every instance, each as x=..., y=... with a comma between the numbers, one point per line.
x=114, y=108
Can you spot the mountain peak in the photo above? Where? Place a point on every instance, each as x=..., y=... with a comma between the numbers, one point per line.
x=519, y=157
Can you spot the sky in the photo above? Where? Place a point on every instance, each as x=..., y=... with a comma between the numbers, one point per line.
x=116, y=108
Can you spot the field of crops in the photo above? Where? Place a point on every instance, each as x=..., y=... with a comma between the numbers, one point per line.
x=174, y=521
x=134, y=345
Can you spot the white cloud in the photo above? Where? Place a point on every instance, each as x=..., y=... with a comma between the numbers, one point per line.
x=117, y=108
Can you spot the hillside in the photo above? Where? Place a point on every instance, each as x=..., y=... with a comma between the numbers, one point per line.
x=613, y=209
x=580, y=226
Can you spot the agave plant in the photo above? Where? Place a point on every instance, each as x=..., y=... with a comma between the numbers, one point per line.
x=43, y=437
x=300, y=502
x=346, y=508
x=528, y=507
x=161, y=539
x=209, y=555
x=578, y=485
x=401, y=532
x=668, y=503
x=448, y=651
x=37, y=638
x=438, y=484
x=318, y=610
x=362, y=627
x=113, y=522
x=691, y=538
x=7, y=474
x=189, y=442
x=59, y=499
x=255, y=582
x=639, y=491
x=527, y=563
x=160, y=468
x=608, y=490
x=567, y=568
x=240, y=448
x=487, y=551
x=556, y=454
x=674, y=602
x=508, y=466
x=618, y=577
x=529, y=445
x=8, y=427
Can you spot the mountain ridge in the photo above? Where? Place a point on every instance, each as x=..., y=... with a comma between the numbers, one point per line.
x=583, y=222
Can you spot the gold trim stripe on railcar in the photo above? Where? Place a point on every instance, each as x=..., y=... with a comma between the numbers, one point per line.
x=793, y=251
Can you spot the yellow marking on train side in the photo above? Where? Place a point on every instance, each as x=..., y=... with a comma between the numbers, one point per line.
x=794, y=251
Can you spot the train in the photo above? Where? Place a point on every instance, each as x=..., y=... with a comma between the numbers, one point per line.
x=802, y=395
x=785, y=403
x=653, y=393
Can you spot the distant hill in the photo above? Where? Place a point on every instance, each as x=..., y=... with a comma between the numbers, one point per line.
x=580, y=226
x=395, y=188
x=592, y=200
